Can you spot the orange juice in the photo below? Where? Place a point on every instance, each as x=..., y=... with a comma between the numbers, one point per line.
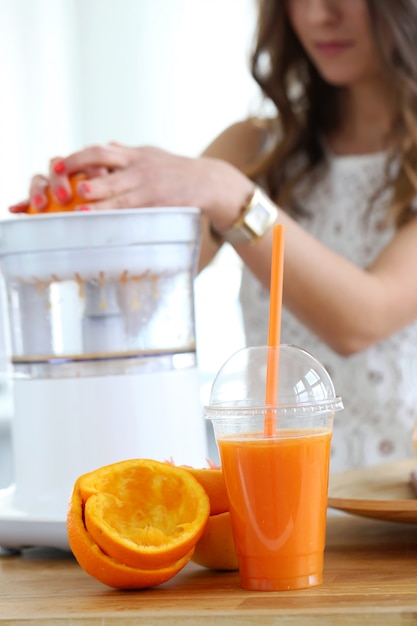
x=277, y=490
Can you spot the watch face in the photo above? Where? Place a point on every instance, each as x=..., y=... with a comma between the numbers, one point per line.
x=258, y=219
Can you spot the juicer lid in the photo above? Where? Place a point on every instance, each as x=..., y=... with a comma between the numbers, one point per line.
x=121, y=227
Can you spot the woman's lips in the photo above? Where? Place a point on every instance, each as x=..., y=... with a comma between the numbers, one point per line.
x=331, y=48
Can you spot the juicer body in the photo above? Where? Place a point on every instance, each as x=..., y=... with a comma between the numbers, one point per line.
x=102, y=342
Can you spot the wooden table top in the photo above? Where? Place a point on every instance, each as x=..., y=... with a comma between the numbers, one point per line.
x=370, y=578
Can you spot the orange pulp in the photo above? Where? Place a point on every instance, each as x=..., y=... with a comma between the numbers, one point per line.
x=277, y=488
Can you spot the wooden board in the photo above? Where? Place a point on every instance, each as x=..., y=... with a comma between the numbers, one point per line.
x=381, y=491
x=369, y=578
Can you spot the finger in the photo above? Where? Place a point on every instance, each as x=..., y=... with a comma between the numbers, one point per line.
x=59, y=180
x=20, y=207
x=102, y=157
x=96, y=172
x=128, y=200
x=37, y=192
x=110, y=186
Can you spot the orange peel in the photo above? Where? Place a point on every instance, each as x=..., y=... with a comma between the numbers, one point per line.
x=213, y=482
x=216, y=548
x=135, y=524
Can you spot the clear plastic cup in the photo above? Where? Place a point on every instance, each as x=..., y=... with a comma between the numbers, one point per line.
x=276, y=477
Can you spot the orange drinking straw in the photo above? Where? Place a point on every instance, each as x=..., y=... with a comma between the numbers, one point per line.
x=274, y=328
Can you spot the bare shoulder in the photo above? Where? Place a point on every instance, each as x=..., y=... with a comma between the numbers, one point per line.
x=243, y=142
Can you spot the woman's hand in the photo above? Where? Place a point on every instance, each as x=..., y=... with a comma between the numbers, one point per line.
x=125, y=177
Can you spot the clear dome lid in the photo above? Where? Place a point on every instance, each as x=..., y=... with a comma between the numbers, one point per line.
x=303, y=385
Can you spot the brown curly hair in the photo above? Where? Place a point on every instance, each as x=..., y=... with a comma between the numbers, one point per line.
x=279, y=64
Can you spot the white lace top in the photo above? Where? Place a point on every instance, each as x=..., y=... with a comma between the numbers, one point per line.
x=379, y=385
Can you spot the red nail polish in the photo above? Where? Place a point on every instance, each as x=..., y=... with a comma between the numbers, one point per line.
x=59, y=167
x=37, y=199
x=84, y=189
x=62, y=194
x=83, y=207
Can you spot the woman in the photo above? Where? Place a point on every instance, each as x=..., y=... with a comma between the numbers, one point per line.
x=338, y=159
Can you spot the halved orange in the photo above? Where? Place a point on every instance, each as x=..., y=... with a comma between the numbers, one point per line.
x=213, y=482
x=101, y=566
x=216, y=548
x=53, y=206
x=142, y=513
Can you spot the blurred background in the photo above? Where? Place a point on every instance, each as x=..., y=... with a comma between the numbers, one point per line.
x=171, y=73
x=74, y=72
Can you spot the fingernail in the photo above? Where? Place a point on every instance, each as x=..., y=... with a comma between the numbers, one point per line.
x=62, y=194
x=59, y=167
x=84, y=189
x=83, y=207
x=37, y=199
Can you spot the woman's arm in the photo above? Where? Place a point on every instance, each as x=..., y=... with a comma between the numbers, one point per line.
x=347, y=307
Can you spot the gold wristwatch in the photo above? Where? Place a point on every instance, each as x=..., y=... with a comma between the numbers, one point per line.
x=256, y=218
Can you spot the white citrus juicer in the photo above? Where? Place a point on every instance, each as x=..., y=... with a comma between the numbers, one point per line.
x=103, y=354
